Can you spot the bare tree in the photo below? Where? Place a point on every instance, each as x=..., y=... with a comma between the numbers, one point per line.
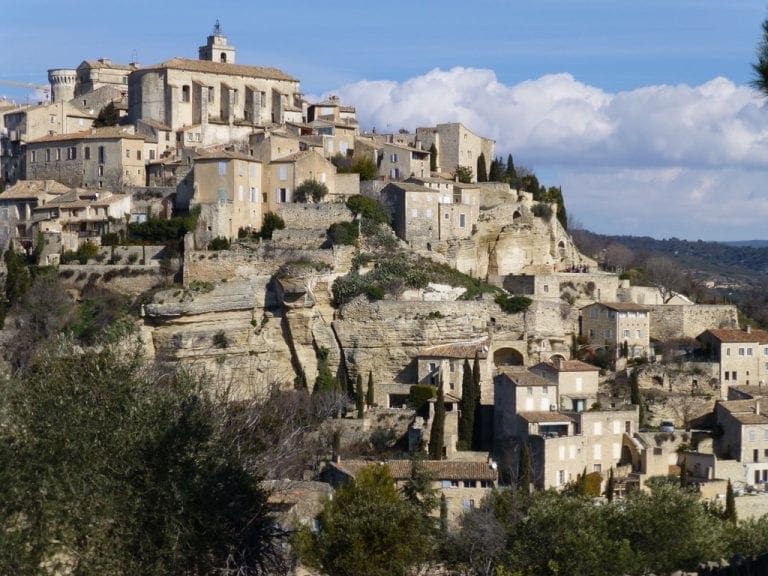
x=664, y=274
x=618, y=257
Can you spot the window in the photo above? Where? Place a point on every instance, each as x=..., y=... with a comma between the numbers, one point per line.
x=52, y=119
x=211, y=92
x=470, y=483
x=47, y=154
x=546, y=288
x=253, y=194
x=189, y=136
x=282, y=195
x=462, y=220
x=138, y=154
x=264, y=197
x=727, y=351
x=34, y=156
x=594, y=313
x=252, y=170
x=639, y=334
x=733, y=375
x=58, y=153
x=87, y=152
x=283, y=173
x=240, y=168
x=486, y=484
x=741, y=351
x=72, y=153
x=530, y=390
x=393, y=157
x=597, y=468
x=394, y=173
x=752, y=435
x=101, y=170
x=727, y=374
x=468, y=504
x=429, y=212
x=765, y=351
x=151, y=154
x=185, y=93
x=222, y=168
x=749, y=351
x=625, y=333
x=560, y=477
x=414, y=213
x=240, y=193
x=591, y=333
x=608, y=333
x=102, y=155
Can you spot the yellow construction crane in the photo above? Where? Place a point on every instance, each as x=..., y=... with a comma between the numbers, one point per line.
x=45, y=89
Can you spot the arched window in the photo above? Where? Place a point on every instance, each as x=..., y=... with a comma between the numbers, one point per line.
x=223, y=58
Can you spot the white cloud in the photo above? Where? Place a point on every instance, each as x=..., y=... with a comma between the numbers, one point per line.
x=659, y=160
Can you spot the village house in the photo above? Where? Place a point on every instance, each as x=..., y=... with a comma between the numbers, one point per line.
x=421, y=215
x=227, y=187
x=111, y=157
x=744, y=438
x=83, y=215
x=444, y=363
x=577, y=382
x=463, y=483
x=286, y=173
x=618, y=325
x=213, y=100
x=17, y=206
x=92, y=75
x=456, y=146
x=742, y=356
x=563, y=444
x=393, y=161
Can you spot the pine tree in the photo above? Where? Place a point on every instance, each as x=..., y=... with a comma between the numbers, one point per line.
x=370, y=395
x=325, y=382
x=524, y=473
x=433, y=158
x=467, y=407
x=108, y=116
x=477, y=431
x=482, y=168
x=359, y=398
x=610, y=485
x=437, y=433
x=730, y=504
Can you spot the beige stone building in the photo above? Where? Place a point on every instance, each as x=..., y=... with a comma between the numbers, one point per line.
x=577, y=382
x=444, y=364
x=111, y=157
x=422, y=216
x=463, y=483
x=286, y=173
x=82, y=215
x=95, y=74
x=227, y=187
x=213, y=97
x=456, y=146
x=562, y=443
x=17, y=206
x=744, y=438
x=742, y=356
x=613, y=323
x=393, y=161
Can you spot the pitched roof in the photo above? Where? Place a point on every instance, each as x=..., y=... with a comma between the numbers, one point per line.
x=568, y=366
x=466, y=349
x=156, y=124
x=296, y=156
x=747, y=411
x=81, y=198
x=210, y=67
x=438, y=469
x=622, y=306
x=523, y=377
x=545, y=417
x=733, y=335
x=224, y=155
x=24, y=189
x=106, y=132
x=108, y=64
x=410, y=187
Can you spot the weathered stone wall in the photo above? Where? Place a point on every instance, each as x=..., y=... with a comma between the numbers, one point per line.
x=264, y=258
x=688, y=321
x=131, y=279
x=306, y=216
x=589, y=286
x=347, y=185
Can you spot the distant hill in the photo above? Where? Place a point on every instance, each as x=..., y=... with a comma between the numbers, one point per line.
x=745, y=262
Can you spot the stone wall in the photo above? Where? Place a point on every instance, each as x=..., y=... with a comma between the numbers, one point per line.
x=688, y=321
x=131, y=279
x=264, y=258
x=306, y=216
x=347, y=185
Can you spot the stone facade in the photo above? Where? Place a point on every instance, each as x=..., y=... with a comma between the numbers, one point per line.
x=393, y=161
x=745, y=437
x=688, y=321
x=613, y=324
x=313, y=216
x=456, y=146
x=283, y=175
x=742, y=356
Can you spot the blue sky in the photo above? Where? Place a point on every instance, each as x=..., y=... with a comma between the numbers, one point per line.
x=640, y=110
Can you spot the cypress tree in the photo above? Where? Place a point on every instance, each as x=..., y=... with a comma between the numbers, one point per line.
x=443, y=515
x=635, y=396
x=524, y=472
x=610, y=486
x=477, y=431
x=730, y=504
x=437, y=433
x=467, y=406
x=370, y=394
x=433, y=158
x=325, y=382
x=359, y=398
x=684, y=475
x=511, y=172
x=496, y=173
x=482, y=168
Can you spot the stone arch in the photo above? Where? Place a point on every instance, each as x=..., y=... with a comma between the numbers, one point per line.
x=508, y=357
x=561, y=249
x=516, y=215
x=556, y=357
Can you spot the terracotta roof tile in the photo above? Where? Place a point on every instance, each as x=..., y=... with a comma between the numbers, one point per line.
x=466, y=349
x=733, y=335
x=522, y=377
x=224, y=68
x=24, y=189
x=438, y=469
x=543, y=416
x=108, y=132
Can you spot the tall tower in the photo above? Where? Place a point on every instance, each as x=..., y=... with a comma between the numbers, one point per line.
x=62, y=81
x=217, y=49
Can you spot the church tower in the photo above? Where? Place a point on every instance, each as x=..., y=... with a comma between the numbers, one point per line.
x=217, y=49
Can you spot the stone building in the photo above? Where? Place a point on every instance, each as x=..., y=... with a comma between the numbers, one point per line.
x=227, y=187
x=742, y=356
x=562, y=443
x=456, y=146
x=444, y=364
x=744, y=438
x=215, y=98
x=95, y=74
x=110, y=157
x=613, y=323
x=17, y=206
x=393, y=161
x=422, y=216
x=285, y=174
x=577, y=382
x=463, y=483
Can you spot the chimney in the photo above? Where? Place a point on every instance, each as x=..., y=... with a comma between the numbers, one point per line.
x=748, y=328
x=757, y=407
x=106, y=61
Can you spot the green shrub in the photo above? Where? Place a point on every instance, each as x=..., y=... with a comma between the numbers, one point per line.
x=132, y=258
x=110, y=239
x=343, y=233
x=368, y=208
x=310, y=189
x=375, y=292
x=419, y=395
x=271, y=223
x=543, y=211
x=220, y=339
x=513, y=304
x=219, y=243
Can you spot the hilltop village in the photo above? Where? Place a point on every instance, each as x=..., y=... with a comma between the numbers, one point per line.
x=402, y=270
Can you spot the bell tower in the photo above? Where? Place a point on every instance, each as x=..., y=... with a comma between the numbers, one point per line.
x=217, y=49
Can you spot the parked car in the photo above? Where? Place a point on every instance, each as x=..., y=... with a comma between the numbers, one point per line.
x=667, y=426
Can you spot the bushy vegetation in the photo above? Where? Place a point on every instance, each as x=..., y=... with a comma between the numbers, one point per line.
x=271, y=223
x=364, y=166
x=343, y=233
x=368, y=208
x=163, y=230
x=310, y=189
x=419, y=395
x=513, y=304
x=87, y=251
x=219, y=243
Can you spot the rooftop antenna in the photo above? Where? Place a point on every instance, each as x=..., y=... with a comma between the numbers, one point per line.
x=134, y=56
x=217, y=28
